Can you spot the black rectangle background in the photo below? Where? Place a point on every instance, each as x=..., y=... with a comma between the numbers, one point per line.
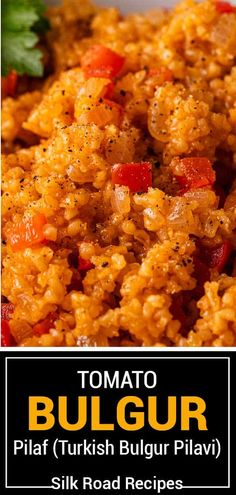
x=180, y=373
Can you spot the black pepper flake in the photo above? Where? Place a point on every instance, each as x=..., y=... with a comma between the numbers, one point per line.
x=22, y=180
x=104, y=264
x=123, y=92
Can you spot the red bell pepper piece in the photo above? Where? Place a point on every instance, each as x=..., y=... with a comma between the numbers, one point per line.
x=225, y=7
x=137, y=176
x=9, y=84
x=26, y=233
x=7, y=339
x=85, y=264
x=6, y=311
x=217, y=257
x=44, y=325
x=195, y=172
x=100, y=61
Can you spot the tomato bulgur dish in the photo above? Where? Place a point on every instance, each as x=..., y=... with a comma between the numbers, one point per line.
x=118, y=181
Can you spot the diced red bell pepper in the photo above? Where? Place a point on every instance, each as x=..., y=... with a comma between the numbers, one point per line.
x=6, y=311
x=85, y=265
x=100, y=61
x=26, y=233
x=9, y=84
x=7, y=339
x=195, y=172
x=224, y=7
x=44, y=325
x=136, y=176
x=217, y=257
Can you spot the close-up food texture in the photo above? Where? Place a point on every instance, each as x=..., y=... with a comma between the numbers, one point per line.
x=118, y=176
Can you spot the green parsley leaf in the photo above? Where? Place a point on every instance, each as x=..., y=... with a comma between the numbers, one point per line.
x=21, y=19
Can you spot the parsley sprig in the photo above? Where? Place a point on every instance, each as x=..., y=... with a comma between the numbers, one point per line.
x=21, y=21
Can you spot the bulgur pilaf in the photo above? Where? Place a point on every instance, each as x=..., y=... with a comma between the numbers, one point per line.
x=119, y=190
